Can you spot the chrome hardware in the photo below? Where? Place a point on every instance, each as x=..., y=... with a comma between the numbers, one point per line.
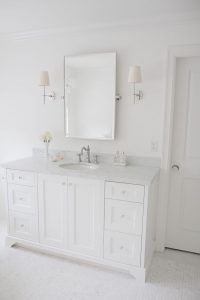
x=63, y=183
x=22, y=225
x=123, y=192
x=87, y=151
x=21, y=199
x=95, y=159
x=176, y=167
x=118, y=97
x=79, y=157
x=122, y=216
x=122, y=247
x=20, y=177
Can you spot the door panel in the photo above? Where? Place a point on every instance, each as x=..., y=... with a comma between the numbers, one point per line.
x=190, y=217
x=85, y=215
x=193, y=118
x=183, y=227
x=52, y=194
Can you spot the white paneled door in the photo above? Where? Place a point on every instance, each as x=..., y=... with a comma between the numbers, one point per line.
x=183, y=228
x=86, y=210
x=52, y=193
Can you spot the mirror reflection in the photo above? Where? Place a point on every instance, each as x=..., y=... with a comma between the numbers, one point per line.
x=90, y=89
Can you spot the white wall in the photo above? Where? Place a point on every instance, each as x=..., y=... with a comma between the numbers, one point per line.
x=23, y=116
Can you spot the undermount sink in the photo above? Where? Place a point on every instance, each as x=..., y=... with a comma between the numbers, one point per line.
x=79, y=166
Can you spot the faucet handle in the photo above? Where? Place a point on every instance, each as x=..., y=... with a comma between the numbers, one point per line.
x=79, y=157
x=95, y=159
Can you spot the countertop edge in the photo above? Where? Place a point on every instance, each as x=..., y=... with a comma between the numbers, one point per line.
x=74, y=173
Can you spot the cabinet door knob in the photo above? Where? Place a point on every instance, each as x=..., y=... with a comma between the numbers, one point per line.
x=121, y=247
x=64, y=183
x=123, y=216
x=22, y=225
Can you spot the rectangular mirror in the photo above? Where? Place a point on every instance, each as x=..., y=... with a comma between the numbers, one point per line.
x=90, y=91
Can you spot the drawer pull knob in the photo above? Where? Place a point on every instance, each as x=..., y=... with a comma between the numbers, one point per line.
x=22, y=225
x=123, y=192
x=122, y=247
x=21, y=199
x=64, y=183
x=122, y=216
x=20, y=177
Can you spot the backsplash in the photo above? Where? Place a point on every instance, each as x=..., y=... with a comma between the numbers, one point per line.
x=102, y=157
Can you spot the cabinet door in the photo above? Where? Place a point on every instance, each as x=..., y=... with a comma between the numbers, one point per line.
x=52, y=192
x=86, y=204
x=3, y=194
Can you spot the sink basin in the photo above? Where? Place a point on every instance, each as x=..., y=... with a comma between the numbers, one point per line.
x=79, y=166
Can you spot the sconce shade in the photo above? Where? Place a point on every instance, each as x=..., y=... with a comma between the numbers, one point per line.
x=44, y=78
x=134, y=74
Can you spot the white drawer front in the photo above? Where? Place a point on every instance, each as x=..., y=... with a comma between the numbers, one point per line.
x=122, y=248
x=21, y=177
x=124, y=191
x=22, y=198
x=123, y=216
x=24, y=226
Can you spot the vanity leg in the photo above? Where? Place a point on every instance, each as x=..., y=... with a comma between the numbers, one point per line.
x=9, y=242
x=139, y=275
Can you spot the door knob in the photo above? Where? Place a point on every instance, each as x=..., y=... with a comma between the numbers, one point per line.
x=175, y=167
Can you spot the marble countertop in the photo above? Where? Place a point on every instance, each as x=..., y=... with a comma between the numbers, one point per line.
x=129, y=174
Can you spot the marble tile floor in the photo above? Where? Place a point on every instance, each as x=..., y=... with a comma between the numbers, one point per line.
x=29, y=275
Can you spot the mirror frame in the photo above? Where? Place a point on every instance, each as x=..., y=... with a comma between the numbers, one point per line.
x=112, y=137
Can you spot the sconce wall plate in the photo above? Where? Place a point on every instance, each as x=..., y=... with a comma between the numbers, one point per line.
x=52, y=95
x=137, y=96
x=133, y=78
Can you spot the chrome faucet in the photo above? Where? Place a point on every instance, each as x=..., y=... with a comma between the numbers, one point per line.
x=88, y=153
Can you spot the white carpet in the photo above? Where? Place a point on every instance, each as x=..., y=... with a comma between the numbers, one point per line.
x=27, y=275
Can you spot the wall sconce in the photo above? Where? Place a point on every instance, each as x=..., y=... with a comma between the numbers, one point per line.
x=44, y=81
x=133, y=78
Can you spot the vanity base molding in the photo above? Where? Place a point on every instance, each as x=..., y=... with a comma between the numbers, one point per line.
x=140, y=274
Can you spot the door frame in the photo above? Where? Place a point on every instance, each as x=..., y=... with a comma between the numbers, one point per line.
x=173, y=53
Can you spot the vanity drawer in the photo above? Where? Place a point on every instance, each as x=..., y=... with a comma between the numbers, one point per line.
x=122, y=248
x=24, y=226
x=123, y=216
x=21, y=177
x=125, y=191
x=22, y=198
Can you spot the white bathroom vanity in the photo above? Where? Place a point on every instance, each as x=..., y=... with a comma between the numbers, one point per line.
x=104, y=215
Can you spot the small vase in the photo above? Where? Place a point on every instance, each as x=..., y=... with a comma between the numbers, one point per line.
x=47, y=150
